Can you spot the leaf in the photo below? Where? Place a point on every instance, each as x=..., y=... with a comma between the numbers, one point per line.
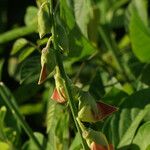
x=142, y=137
x=44, y=20
x=55, y=113
x=10, y=129
x=25, y=92
x=1, y=67
x=51, y=112
x=16, y=33
x=30, y=70
x=79, y=46
x=121, y=127
x=96, y=86
x=140, y=37
x=18, y=45
x=25, y=53
x=31, y=145
x=31, y=16
x=129, y=134
x=5, y=145
x=3, y=110
x=66, y=14
x=145, y=74
x=82, y=9
x=62, y=38
x=76, y=143
x=115, y=97
x=141, y=6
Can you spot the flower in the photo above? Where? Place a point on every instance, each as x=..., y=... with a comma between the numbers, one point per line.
x=87, y=114
x=58, y=97
x=104, y=110
x=95, y=146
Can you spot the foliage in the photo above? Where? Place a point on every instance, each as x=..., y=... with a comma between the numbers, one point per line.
x=75, y=75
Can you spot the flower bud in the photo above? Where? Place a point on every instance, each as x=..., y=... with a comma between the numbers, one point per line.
x=59, y=92
x=48, y=62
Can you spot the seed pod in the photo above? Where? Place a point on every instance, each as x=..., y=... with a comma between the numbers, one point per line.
x=44, y=20
x=97, y=137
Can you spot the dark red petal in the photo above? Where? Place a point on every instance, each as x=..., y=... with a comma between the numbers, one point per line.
x=57, y=97
x=43, y=74
x=105, y=110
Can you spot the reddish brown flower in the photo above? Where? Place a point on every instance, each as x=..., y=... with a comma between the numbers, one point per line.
x=58, y=97
x=104, y=110
x=95, y=146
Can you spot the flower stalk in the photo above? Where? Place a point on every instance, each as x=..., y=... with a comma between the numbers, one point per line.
x=67, y=87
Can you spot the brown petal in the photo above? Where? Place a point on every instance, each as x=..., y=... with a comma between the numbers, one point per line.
x=57, y=97
x=43, y=74
x=105, y=110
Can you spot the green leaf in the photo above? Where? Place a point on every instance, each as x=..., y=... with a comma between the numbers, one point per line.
x=146, y=74
x=31, y=16
x=31, y=145
x=25, y=53
x=10, y=129
x=82, y=9
x=115, y=97
x=1, y=67
x=76, y=143
x=5, y=146
x=16, y=33
x=96, y=86
x=141, y=6
x=3, y=110
x=129, y=134
x=140, y=37
x=121, y=127
x=30, y=70
x=79, y=46
x=62, y=38
x=66, y=14
x=44, y=20
x=18, y=45
x=26, y=91
x=142, y=137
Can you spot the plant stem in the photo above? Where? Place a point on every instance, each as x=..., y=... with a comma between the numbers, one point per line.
x=16, y=33
x=109, y=47
x=72, y=106
x=10, y=102
x=112, y=47
x=70, y=99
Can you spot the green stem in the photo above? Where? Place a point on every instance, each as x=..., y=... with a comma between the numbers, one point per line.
x=72, y=106
x=113, y=50
x=109, y=47
x=16, y=33
x=69, y=95
x=9, y=101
